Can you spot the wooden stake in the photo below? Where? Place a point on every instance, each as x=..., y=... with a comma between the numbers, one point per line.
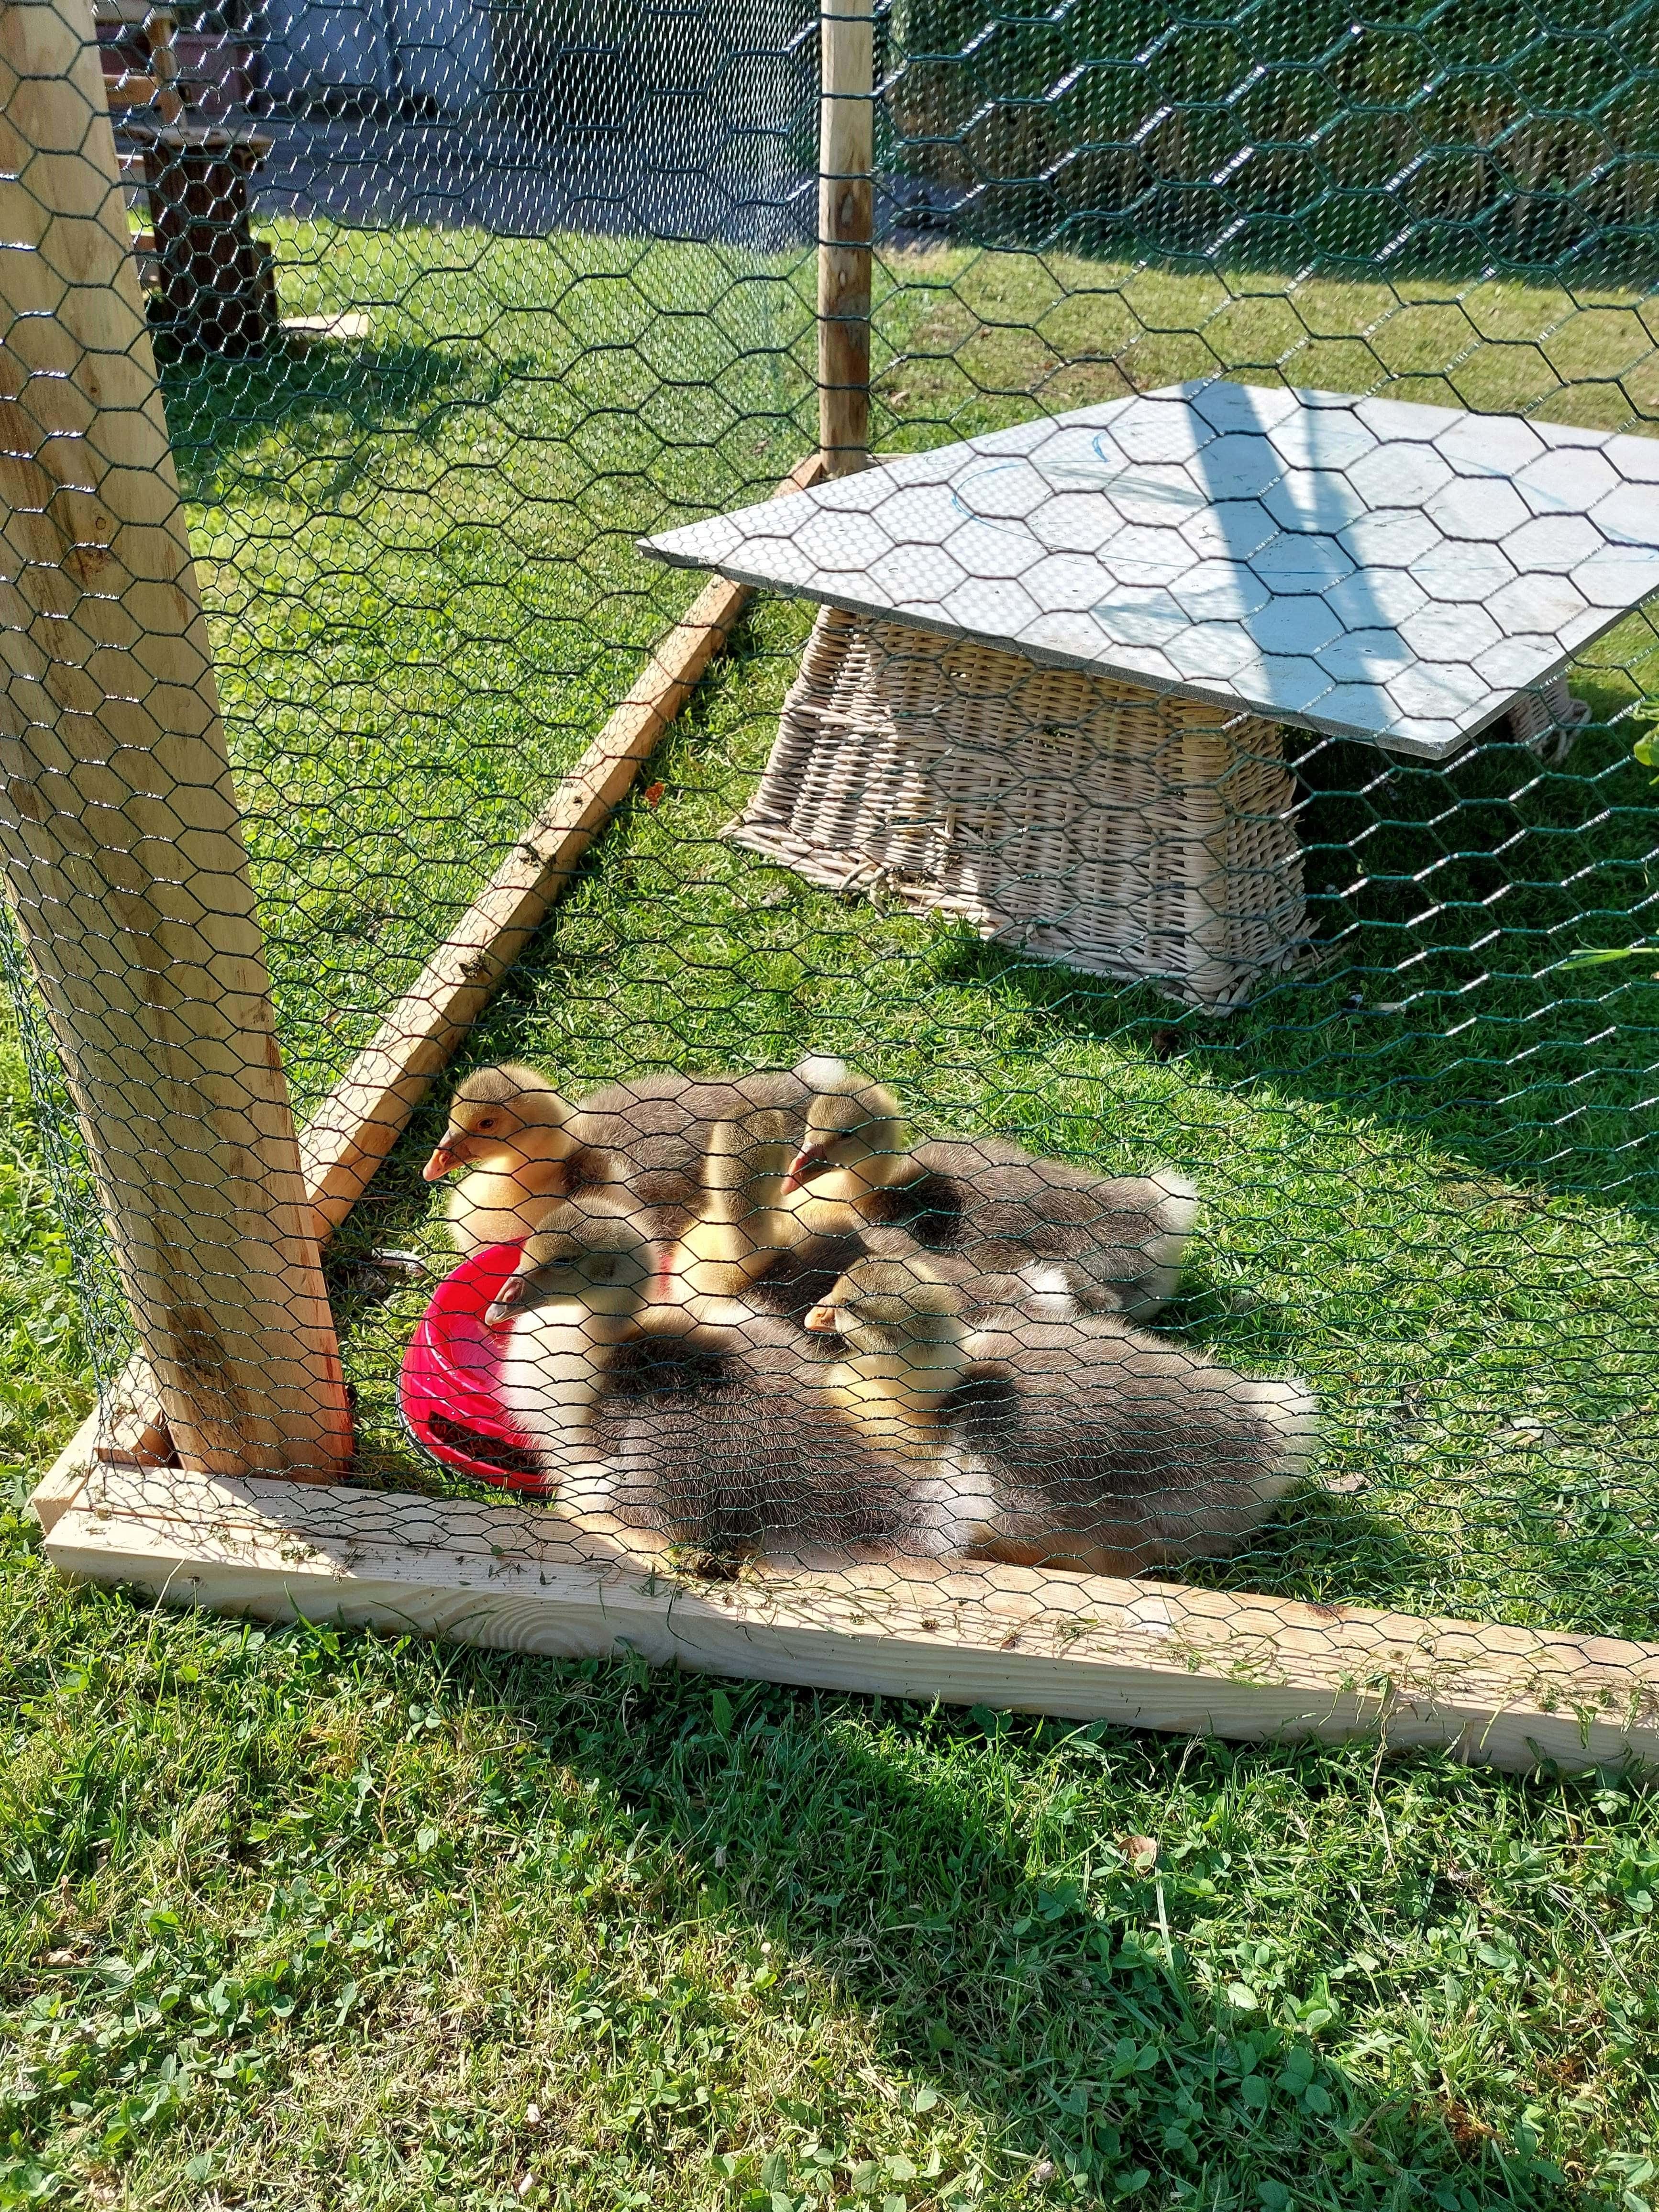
x=160, y=28
x=119, y=829
x=847, y=208
x=1146, y=1654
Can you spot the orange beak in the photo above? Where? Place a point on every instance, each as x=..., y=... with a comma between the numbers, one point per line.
x=807, y=1162
x=439, y=1164
x=823, y=1320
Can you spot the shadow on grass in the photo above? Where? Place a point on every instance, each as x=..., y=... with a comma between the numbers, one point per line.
x=1443, y=903
x=1014, y=1949
x=770, y=1949
x=323, y=402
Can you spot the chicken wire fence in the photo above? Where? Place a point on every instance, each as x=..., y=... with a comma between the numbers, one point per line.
x=1081, y=1048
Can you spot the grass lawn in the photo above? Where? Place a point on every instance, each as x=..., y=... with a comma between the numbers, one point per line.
x=1475, y=1304
x=297, y=1919
x=300, y=1919
x=1428, y=1171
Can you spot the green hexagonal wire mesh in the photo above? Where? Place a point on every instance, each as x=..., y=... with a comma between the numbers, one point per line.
x=1066, y=996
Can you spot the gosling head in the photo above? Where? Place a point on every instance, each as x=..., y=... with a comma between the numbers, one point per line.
x=491, y=1116
x=599, y=1256
x=855, y=1140
x=890, y=1305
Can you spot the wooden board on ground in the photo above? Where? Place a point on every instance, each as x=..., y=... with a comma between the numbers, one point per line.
x=125, y=1426
x=1143, y=1654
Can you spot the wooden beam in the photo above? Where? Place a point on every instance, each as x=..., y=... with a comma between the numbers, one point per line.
x=159, y=27
x=119, y=830
x=131, y=90
x=362, y=1117
x=847, y=213
x=125, y=1427
x=1150, y=1655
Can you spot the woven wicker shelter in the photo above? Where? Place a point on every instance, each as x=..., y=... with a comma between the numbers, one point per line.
x=1048, y=689
x=1078, y=818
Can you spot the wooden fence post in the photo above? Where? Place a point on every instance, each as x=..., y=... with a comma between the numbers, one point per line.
x=119, y=830
x=847, y=208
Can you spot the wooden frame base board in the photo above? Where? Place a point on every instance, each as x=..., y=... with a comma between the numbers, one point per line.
x=1147, y=1654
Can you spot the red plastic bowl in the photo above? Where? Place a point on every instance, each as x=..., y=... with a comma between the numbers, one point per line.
x=451, y=1377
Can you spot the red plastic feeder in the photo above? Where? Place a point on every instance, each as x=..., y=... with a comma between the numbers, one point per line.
x=449, y=1384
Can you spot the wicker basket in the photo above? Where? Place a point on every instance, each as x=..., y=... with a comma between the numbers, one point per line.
x=1073, y=815
x=1546, y=720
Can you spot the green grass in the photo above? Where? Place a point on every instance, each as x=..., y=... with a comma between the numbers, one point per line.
x=296, y=1919
x=417, y=554
x=417, y=550
x=1471, y=1291
x=967, y=342
x=46, y=1370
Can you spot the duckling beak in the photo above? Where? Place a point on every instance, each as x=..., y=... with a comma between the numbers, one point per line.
x=807, y=1162
x=508, y=1301
x=823, y=1320
x=441, y=1163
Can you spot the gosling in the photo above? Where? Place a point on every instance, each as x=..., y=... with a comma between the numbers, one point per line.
x=524, y=1146
x=697, y=1427
x=651, y=1135
x=1107, y=1451
x=1106, y=1244
x=905, y=1339
x=747, y=1244
x=717, y=1443
x=576, y=1293
x=510, y=1131
x=1085, y=1445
